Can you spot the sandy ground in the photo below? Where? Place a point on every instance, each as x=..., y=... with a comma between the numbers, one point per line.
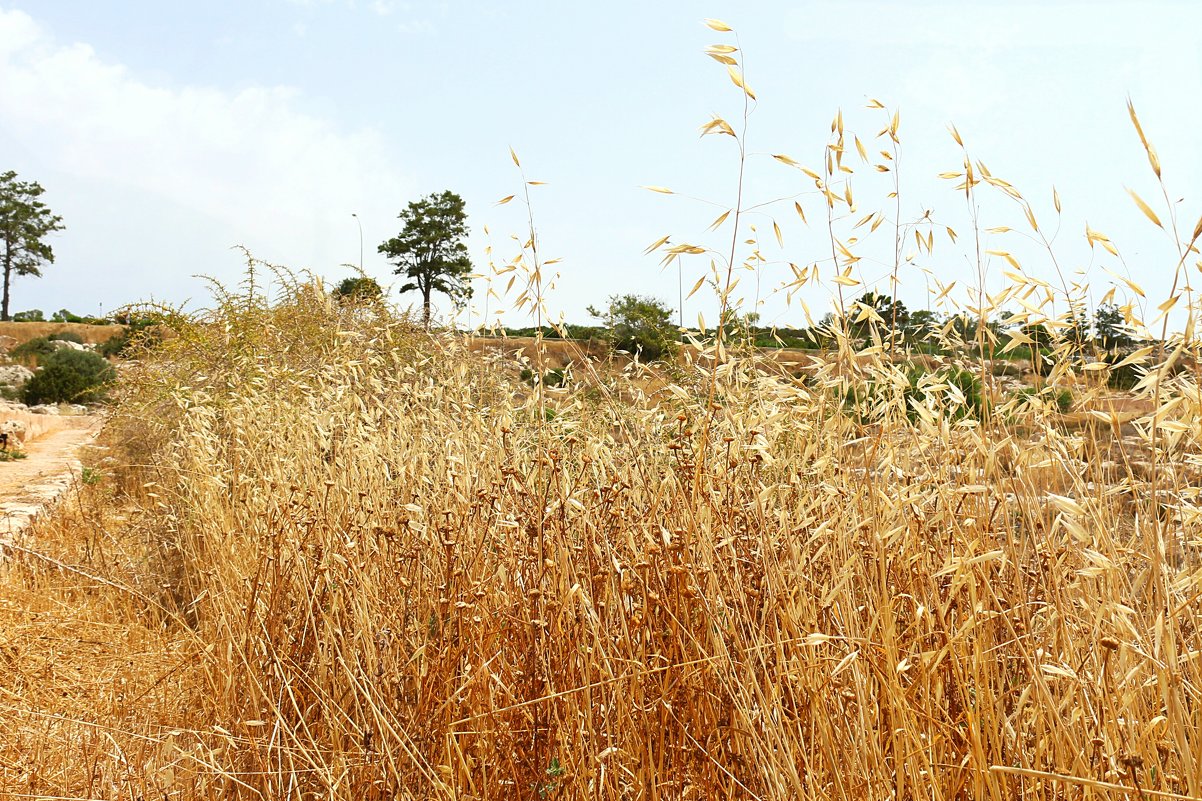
x=28, y=486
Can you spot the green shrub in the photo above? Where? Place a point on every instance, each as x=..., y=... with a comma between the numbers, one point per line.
x=1122, y=376
x=358, y=288
x=969, y=384
x=1125, y=377
x=136, y=334
x=1062, y=398
x=65, y=336
x=552, y=378
x=115, y=345
x=554, y=332
x=70, y=376
x=34, y=350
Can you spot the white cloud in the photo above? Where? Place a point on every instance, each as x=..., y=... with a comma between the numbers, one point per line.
x=249, y=163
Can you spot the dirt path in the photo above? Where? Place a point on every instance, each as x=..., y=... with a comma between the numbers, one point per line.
x=28, y=486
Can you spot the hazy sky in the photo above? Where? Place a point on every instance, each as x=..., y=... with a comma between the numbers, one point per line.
x=166, y=133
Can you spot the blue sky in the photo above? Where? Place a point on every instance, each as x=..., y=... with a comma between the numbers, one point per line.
x=167, y=133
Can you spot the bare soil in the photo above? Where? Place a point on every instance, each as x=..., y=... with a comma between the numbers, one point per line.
x=28, y=486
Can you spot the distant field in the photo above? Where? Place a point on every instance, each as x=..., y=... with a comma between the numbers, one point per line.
x=23, y=332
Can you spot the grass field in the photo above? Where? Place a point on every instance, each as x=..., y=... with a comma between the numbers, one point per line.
x=328, y=555
x=21, y=333
x=335, y=557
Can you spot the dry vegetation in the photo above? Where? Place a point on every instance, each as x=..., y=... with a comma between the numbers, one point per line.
x=19, y=333
x=358, y=562
x=338, y=558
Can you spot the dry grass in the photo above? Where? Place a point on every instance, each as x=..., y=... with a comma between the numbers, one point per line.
x=363, y=566
x=338, y=558
x=20, y=333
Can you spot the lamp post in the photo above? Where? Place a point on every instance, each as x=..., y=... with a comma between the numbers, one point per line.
x=360, y=222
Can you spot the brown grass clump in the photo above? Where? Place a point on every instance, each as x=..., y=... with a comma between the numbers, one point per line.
x=343, y=559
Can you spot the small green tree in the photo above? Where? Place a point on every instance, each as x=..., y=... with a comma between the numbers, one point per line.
x=1111, y=327
x=430, y=251
x=70, y=376
x=357, y=288
x=638, y=324
x=65, y=316
x=892, y=312
x=921, y=325
x=25, y=222
x=1076, y=327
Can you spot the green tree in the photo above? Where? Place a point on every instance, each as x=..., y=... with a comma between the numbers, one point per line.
x=1076, y=327
x=892, y=312
x=429, y=250
x=921, y=324
x=638, y=324
x=65, y=316
x=25, y=222
x=358, y=288
x=1111, y=327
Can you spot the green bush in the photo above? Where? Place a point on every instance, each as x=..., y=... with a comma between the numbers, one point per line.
x=553, y=332
x=70, y=376
x=1125, y=376
x=968, y=382
x=857, y=399
x=552, y=378
x=115, y=345
x=30, y=316
x=359, y=288
x=136, y=334
x=65, y=336
x=34, y=350
x=1063, y=398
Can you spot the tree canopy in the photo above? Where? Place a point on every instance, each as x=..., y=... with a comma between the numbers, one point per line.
x=25, y=222
x=1111, y=327
x=893, y=314
x=357, y=288
x=640, y=325
x=430, y=251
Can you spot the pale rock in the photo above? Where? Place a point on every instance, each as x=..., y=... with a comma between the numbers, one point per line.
x=14, y=375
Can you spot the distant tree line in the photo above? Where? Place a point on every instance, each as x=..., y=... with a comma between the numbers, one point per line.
x=644, y=326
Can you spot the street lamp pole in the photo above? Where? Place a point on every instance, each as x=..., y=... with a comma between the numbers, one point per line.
x=360, y=222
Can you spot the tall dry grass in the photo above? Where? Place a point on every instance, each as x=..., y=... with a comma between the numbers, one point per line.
x=358, y=563
x=340, y=558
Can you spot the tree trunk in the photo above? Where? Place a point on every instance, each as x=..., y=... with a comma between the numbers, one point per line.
x=425, y=304
x=8, y=271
